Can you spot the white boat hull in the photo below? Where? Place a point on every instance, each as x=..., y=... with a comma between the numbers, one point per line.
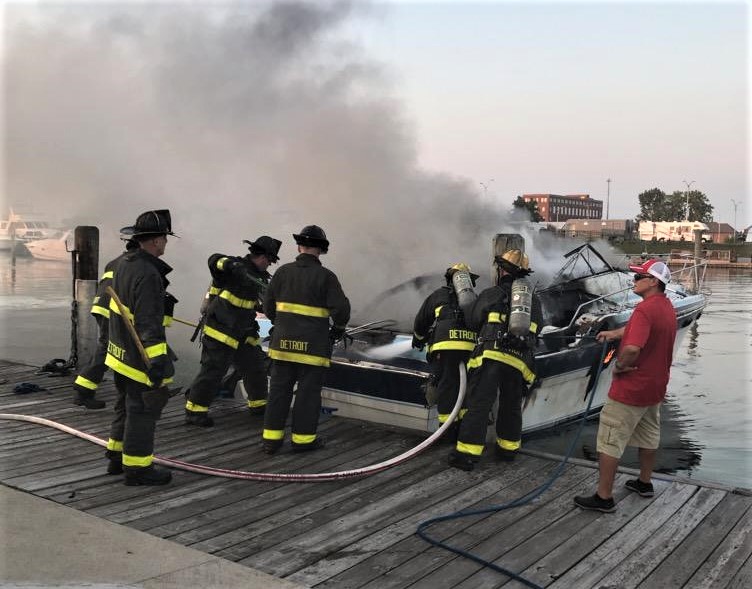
x=559, y=398
x=51, y=250
x=382, y=379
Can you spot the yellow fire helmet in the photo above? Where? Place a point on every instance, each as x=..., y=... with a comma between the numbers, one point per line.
x=516, y=259
x=460, y=267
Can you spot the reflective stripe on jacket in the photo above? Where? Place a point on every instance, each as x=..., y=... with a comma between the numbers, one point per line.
x=233, y=301
x=140, y=282
x=101, y=303
x=489, y=314
x=441, y=321
x=302, y=300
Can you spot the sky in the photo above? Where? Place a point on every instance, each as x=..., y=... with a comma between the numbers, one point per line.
x=560, y=96
x=405, y=130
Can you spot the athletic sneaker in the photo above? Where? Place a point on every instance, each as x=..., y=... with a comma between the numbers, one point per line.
x=642, y=489
x=595, y=503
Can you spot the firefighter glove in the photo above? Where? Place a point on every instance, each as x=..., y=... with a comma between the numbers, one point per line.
x=156, y=371
x=336, y=333
x=418, y=344
x=235, y=266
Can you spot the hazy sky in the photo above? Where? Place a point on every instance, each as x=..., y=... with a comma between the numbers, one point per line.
x=377, y=122
x=559, y=96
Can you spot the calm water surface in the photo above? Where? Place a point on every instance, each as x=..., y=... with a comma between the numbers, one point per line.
x=707, y=419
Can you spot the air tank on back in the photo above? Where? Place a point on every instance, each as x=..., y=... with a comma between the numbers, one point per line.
x=463, y=286
x=520, y=307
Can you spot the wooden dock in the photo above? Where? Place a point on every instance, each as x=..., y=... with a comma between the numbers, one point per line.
x=361, y=532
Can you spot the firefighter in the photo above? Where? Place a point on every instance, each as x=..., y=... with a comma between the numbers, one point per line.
x=309, y=310
x=87, y=381
x=231, y=332
x=501, y=361
x=140, y=282
x=440, y=325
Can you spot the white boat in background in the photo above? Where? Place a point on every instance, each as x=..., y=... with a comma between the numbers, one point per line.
x=56, y=249
x=20, y=228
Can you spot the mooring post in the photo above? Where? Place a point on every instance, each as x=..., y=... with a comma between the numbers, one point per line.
x=85, y=273
x=698, y=256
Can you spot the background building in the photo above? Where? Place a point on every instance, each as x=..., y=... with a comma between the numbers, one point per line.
x=557, y=207
x=720, y=232
x=599, y=229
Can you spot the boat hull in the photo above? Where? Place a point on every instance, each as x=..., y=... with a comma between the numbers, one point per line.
x=379, y=377
x=395, y=395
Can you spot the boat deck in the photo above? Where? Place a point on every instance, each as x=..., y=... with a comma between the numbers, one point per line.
x=361, y=532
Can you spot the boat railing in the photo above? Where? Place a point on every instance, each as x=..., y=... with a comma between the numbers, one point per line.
x=692, y=273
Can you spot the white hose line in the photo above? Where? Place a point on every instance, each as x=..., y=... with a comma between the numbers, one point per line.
x=265, y=476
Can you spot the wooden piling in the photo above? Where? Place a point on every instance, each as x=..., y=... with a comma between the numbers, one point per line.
x=85, y=274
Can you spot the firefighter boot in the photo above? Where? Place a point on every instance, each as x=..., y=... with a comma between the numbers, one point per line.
x=87, y=400
x=197, y=418
x=461, y=460
x=147, y=475
x=115, y=464
x=503, y=455
x=317, y=444
x=271, y=446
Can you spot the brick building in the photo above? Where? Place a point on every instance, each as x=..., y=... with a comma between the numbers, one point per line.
x=557, y=207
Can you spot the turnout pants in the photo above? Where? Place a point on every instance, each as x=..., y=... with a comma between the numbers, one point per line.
x=251, y=363
x=92, y=374
x=137, y=410
x=305, y=413
x=485, y=381
x=448, y=381
x=216, y=359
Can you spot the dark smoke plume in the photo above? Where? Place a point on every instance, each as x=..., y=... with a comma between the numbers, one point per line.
x=243, y=120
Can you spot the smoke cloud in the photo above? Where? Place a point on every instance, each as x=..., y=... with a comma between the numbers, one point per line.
x=243, y=120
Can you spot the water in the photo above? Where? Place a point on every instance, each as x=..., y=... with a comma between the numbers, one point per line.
x=707, y=419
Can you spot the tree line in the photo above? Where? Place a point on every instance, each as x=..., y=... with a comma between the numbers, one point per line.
x=656, y=205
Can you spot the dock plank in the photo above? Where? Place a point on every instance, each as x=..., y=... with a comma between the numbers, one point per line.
x=730, y=557
x=662, y=542
x=681, y=564
x=359, y=533
x=368, y=558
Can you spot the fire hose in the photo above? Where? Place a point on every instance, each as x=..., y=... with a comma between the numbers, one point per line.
x=422, y=530
x=264, y=476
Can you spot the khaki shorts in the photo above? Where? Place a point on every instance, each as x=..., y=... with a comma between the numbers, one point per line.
x=626, y=425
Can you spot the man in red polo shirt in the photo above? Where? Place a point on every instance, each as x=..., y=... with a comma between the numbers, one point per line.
x=631, y=415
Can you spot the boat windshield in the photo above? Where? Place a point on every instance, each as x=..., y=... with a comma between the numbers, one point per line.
x=582, y=262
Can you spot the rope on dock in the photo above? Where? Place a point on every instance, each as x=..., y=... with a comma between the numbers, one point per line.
x=266, y=476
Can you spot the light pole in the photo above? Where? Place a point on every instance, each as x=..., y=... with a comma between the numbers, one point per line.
x=608, y=195
x=485, y=187
x=686, y=194
x=736, y=204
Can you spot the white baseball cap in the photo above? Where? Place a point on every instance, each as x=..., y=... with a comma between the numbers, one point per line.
x=654, y=268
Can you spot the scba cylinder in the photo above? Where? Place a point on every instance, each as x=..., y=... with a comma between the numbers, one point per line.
x=519, y=312
x=463, y=286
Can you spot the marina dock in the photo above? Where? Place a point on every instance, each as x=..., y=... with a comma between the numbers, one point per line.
x=360, y=532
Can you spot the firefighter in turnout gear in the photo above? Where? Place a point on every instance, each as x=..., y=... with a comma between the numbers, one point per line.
x=87, y=381
x=440, y=325
x=502, y=361
x=230, y=330
x=140, y=283
x=309, y=310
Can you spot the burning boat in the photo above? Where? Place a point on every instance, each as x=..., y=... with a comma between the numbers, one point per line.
x=377, y=376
